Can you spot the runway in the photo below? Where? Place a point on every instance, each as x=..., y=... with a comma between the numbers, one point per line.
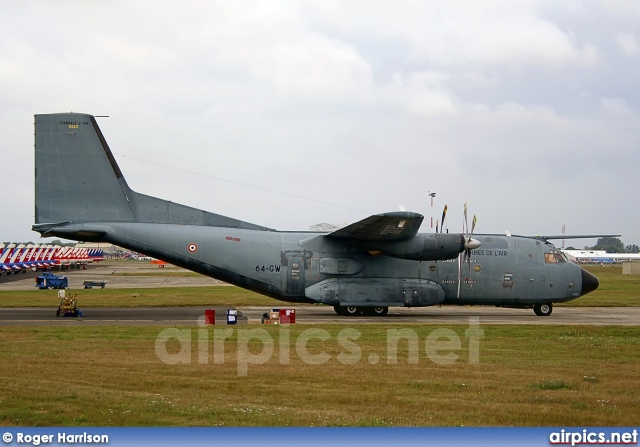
x=170, y=316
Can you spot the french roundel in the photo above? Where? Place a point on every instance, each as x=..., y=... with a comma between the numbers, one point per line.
x=193, y=248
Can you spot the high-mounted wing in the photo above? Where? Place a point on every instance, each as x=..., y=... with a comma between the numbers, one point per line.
x=570, y=236
x=394, y=226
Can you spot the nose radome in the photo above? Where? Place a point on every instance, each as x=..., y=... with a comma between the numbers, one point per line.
x=589, y=282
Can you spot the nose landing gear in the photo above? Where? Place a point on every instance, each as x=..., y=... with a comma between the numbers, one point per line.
x=543, y=310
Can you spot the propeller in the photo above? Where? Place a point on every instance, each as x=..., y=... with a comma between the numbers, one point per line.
x=469, y=244
x=444, y=214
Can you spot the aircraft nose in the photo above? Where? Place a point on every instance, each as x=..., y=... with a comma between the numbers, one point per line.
x=589, y=282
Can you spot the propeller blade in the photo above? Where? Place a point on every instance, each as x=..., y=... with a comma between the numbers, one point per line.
x=444, y=214
x=465, y=227
x=459, y=274
x=469, y=244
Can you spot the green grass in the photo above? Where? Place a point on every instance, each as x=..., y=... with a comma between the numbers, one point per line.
x=552, y=385
x=160, y=272
x=526, y=376
x=616, y=289
x=141, y=297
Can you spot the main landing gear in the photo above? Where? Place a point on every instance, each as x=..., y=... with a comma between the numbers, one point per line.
x=352, y=311
x=543, y=310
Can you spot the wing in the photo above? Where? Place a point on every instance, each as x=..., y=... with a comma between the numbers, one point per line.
x=394, y=226
x=572, y=236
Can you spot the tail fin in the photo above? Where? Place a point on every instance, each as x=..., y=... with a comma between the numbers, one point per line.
x=77, y=178
x=77, y=181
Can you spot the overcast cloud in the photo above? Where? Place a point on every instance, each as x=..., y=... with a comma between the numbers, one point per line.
x=529, y=111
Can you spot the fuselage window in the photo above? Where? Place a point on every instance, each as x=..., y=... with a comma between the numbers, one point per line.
x=549, y=258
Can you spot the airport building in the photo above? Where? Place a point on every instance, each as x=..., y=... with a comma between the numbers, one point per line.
x=599, y=256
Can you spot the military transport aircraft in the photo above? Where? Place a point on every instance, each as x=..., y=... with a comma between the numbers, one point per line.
x=363, y=268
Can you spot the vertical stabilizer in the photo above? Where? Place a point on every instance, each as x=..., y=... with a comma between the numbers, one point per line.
x=76, y=176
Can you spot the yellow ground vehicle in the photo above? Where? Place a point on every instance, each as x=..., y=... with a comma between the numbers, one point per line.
x=69, y=307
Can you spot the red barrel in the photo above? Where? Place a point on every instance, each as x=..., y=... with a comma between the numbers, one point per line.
x=287, y=316
x=210, y=316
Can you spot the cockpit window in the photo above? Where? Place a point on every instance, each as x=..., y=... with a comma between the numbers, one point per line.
x=560, y=257
x=555, y=257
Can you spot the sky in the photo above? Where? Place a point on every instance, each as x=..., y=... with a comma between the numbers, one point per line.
x=292, y=113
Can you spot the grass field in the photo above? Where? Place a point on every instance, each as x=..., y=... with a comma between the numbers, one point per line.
x=526, y=376
x=142, y=297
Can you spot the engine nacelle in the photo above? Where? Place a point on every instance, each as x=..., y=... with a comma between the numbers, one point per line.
x=422, y=247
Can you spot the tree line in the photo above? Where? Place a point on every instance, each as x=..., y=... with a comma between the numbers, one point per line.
x=612, y=245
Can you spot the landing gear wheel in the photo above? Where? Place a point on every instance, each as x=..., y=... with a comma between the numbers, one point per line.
x=351, y=311
x=379, y=311
x=347, y=311
x=543, y=310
